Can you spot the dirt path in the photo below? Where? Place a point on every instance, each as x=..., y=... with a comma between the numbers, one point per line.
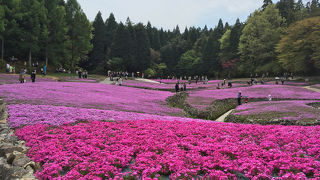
x=223, y=117
x=312, y=89
x=107, y=81
x=147, y=80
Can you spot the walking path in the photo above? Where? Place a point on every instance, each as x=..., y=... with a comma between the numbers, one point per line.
x=223, y=117
x=312, y=89
x=147, y=80
x=107, y=81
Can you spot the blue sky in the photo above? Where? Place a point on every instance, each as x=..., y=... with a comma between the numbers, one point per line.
x=169, y=13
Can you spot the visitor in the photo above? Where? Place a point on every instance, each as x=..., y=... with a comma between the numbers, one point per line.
x=42, y=71
x=21, y=76
x=239, y=98
x=282, y=81
x=120, y=82
x=177, y=87
x=229, y=84
x=245, y=99
x=224, y=82
x=79, y=74
x=270, y=97
x=33, y=76
x=45, y=70
x=181, y=87
x=218, y=87
x=184, y=87
x=7, y=68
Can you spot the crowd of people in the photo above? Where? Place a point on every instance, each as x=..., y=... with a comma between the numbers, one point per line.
x=82, y=74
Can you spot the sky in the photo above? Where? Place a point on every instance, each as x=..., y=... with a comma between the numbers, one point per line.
x=170, y=13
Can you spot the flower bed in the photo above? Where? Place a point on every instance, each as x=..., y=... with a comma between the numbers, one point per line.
x=205, y=97
x=89, y=95
x=296, y=112
x=25, y=114
x=14, y=78
x=156, y=149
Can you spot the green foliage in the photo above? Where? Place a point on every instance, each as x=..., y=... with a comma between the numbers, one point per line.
x=189, y=63
x=299, y=48
x=79, y=33
x=259, y=37
x=117, y=64
x=97, y=55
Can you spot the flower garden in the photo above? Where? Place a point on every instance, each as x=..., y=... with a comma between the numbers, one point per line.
x=79, y=130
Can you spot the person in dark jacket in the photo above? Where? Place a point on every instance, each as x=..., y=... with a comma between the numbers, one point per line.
x=239, y=98
x=33, y=76
x=177, y=87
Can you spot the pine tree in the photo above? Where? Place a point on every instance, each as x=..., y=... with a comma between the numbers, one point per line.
x=142, y=55
x=54, y=36
x=97, y=55
x=266, y=3
x=79, y=33
x=111, y=28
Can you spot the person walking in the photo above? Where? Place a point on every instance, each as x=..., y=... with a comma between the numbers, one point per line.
x=239, y=98
x=120, y=82
x=33, y=76
x=184, y=86
x=270, y=97
x=177, y=87
x=21, y=76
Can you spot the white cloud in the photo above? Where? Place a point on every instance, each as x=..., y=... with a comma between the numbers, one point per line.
x=169, y=13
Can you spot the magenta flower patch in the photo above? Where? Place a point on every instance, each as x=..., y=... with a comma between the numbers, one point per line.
x=150, y=149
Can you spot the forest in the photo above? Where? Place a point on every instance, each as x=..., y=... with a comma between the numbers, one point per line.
x=276, y=38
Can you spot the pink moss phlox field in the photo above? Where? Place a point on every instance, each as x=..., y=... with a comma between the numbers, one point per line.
x=259, y=91
x=292, y=83
x=89, y=95
x=165, y=86
x=298, y=109
x=25, y=114
x=149, y=148
x=14, y=78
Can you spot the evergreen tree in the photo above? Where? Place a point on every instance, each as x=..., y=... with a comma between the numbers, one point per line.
x=155, y=39
x=111, y=27
x=97, y=55
x=79, y=33
x=142, y=55
x=54, y=34
x=266, y=3
x=286, y=9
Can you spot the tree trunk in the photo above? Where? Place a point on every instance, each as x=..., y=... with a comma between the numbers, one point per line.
x=47, y=61
x=2, y=48
x=30, y=57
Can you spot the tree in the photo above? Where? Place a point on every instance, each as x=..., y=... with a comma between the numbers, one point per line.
x=79, y=32
x=142, y=54
x=171, y=53
x=266, y=3
x=2, y=25
x=259, y=37
x=97, y=55
x=299, y=48
x=32, y=12
x=54, y=34
x=111, y=28
x=188, y=63
x=120, y=47
x=286, y=9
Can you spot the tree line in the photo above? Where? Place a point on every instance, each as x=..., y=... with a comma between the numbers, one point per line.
x=276, y=38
